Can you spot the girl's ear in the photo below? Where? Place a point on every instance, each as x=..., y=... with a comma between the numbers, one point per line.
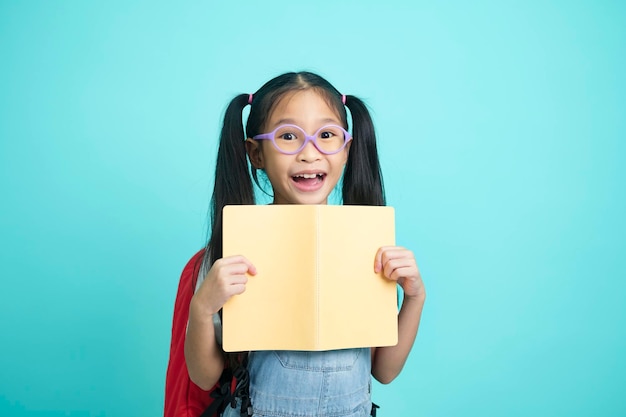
x=255, y=153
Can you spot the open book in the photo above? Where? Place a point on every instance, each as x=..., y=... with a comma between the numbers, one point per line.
x=316, y=288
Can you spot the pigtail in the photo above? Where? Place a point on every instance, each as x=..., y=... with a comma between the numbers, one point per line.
x=232, y=179
x=362, y=178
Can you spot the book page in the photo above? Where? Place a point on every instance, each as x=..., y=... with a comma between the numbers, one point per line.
x=359, y=306
x=277, y=310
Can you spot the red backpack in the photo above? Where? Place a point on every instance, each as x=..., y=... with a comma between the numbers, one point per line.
x=183, y=398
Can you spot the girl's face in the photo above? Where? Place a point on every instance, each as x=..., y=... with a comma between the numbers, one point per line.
x=309, y=176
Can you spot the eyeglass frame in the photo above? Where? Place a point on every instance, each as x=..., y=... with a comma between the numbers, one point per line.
x=307, y=139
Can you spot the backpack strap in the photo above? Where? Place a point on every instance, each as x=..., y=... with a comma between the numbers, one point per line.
x=183, y=398
x=242, y=389
x=221, y=395
x=227, y=393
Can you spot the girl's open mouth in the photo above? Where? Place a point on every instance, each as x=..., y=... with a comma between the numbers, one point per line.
x=309, y=182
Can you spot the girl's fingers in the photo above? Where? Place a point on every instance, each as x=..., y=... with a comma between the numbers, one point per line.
x=401, y=274
x=398, y=264
x=234, y=269
x=381, y=256
x=406, y=265
x=389, y=258
x=216, y=291
x=387, y=253
x=378, y=260
x=238, y=289
x=227, y=277
x=237, y=280
x=237, y=260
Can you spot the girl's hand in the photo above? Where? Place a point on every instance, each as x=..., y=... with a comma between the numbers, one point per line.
x=227, y=277
x=398, y=264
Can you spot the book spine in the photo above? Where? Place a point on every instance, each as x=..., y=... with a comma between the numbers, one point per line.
x=317, y=277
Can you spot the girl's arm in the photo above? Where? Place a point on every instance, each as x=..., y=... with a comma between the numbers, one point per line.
x=205, y=359
x=398, y=264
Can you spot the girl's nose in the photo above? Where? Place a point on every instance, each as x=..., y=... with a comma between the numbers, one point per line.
x=309, y=153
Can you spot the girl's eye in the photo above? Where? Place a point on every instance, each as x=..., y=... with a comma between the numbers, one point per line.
x=287, y=136
x=326, y=135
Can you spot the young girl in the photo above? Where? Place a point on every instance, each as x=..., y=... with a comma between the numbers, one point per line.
x=296, y=136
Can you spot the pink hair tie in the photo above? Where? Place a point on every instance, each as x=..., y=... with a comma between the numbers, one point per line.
x=250, y=99
x=343, y=99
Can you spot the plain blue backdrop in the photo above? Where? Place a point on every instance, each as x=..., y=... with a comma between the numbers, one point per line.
x=502, y=135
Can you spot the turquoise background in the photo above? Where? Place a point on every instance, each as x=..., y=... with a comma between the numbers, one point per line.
x=502, y=137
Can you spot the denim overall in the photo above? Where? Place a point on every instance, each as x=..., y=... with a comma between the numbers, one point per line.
x=306, y=384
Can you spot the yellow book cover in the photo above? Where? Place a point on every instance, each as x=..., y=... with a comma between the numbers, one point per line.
x=315, y=287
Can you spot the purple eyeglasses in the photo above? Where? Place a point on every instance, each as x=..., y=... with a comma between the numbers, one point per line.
x=291, y=139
